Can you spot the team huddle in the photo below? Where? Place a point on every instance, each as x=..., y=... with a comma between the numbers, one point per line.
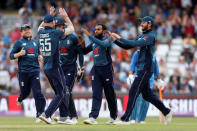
x=59, y=48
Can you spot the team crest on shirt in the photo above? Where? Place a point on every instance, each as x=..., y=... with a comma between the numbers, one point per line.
x=31, y=52
x=24, y=44
x=34, y=43
x=68, y=42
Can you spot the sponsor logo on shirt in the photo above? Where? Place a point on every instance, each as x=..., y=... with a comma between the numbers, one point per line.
x=30, y=52
x=63, y=51
x=24, y=44
x=68, y=42
x=96, y=53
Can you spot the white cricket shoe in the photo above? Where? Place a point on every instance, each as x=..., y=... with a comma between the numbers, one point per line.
x=90, y=121
x=132, y=122
x=46, y=120
x=112, y=121
x=74, y=119
x=61, y=120
x=142, y=122
x=168, y=117
x=38, y=120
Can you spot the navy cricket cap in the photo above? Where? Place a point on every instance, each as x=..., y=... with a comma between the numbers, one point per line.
x=147, y=19
x=60, y=21
x=25, y=26
x=48, y=18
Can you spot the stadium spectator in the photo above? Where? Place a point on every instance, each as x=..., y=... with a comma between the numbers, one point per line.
x=164, y=38
x=175, y=81
x=24, y=15
x=189, y=41
x=183, y=66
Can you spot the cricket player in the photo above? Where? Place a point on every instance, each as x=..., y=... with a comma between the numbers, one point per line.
x=145, y=67
x=102, y=74
x=139, y=112
x=27, y=52
x=70, y=49
x=49, y=41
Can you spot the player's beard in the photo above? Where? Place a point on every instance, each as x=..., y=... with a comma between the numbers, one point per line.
x=145, y=29
x=99, y=36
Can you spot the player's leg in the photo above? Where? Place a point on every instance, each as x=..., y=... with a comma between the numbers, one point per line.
x=138, y=104
x=97, y=91
x=138, y=84
x=143, y=110
x=40, y=101
x=54, y=77
x=24, y=86
x=107, y=78
x=69, y=73
x=149, y=96
x=70, y=80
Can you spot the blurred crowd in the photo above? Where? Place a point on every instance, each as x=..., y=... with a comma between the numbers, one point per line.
x=173, y=19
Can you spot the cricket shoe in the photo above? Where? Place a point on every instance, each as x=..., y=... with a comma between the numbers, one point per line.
x=90, y=121
x=168, y=117
x=65, y=120
x=38, y=120
x=74, y=119
x=142, y=122
x=132, y=121
x=60, y=120
x=112, y=121
x=46, y=120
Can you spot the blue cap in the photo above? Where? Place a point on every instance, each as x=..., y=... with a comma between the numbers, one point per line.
x=48, y=18
x=147, y=19
x=60, y=21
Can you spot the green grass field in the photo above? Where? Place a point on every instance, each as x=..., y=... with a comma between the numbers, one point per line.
x=153, y=124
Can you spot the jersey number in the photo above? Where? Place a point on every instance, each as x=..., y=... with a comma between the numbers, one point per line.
x=45, y=44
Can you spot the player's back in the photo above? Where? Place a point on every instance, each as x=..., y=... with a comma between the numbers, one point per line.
x=49, y=42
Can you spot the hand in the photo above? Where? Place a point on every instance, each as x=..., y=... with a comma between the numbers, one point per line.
x=52, y=10
x=130, y=79
x=22, y=52
x=116, y=35
x=62, y=13
x=160, y=84
x=85, y=32
x=109, y=34
x=40, y=58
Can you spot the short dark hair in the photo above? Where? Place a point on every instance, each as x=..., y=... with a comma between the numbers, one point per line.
x=104, y=27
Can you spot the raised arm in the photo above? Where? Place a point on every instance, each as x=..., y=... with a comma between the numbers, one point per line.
x=70, y=28
x=115, y=38
x=105, y=43
x=52, y=12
